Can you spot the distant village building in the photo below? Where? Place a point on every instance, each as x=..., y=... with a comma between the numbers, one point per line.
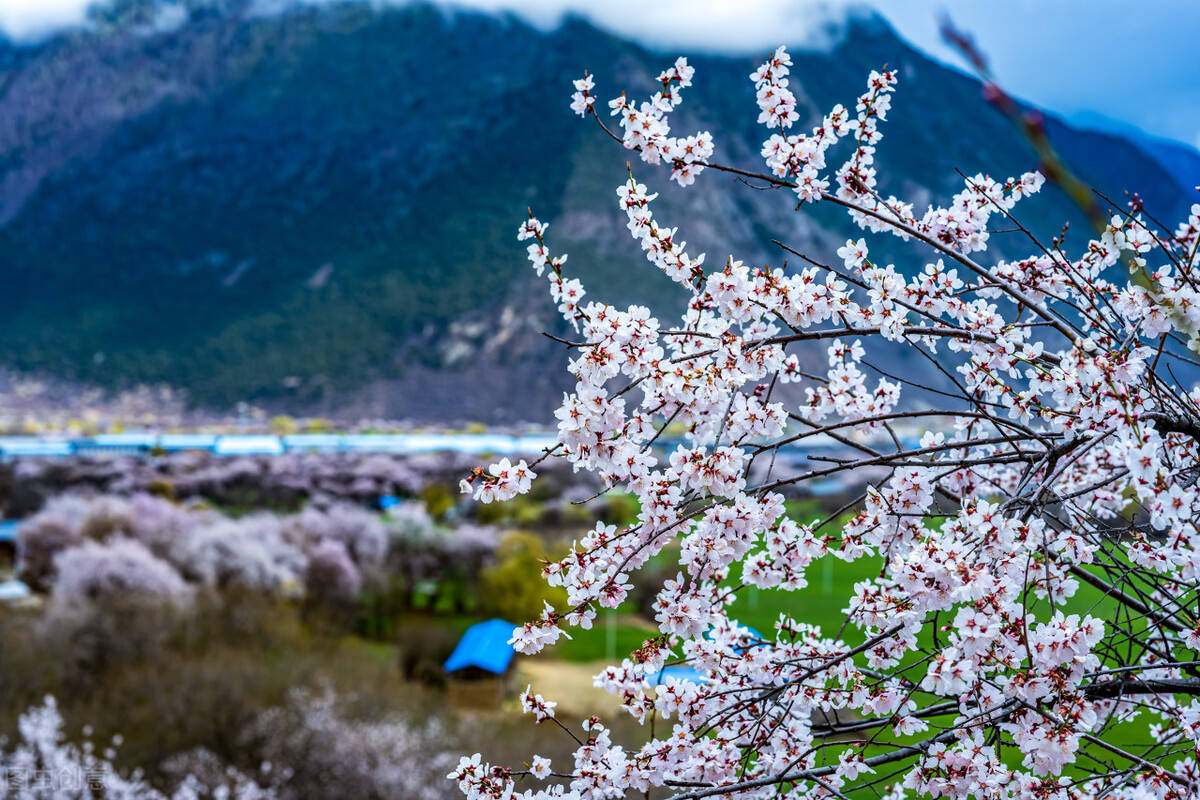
x=479, y=671
x=675, y=674
x=16, y=594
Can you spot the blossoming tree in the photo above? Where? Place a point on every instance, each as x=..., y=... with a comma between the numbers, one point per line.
x=1034, y=630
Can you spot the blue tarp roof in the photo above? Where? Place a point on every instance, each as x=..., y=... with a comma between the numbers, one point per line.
x=682, y=672
x=8, y=530
x=675, y=674
x=484, y=645
x=13, y=590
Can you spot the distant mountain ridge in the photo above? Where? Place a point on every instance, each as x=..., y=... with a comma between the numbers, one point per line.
x=316, y=209
x=1180, y=160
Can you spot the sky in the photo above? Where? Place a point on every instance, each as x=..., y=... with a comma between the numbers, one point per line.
x=1102, y=62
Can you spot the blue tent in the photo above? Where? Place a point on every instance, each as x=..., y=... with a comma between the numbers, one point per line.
x=675, y=674
x=13, y=590
x=682, y=672
x=484, y=645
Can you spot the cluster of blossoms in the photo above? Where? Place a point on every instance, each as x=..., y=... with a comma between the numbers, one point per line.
x=1038, y=554
x=502, y=481
x=307, y=747
x=658, y=243
x=647, y=130
x=42, y=765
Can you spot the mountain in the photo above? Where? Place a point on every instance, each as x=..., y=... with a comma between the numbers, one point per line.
x=316, y=209
x=1181, y=161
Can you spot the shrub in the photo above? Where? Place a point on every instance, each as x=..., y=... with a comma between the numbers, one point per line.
x=514, y=587
x=360, y=532
x=42, y=537
x=332, y=578
x=42, y=765
x=249, y=552
x=438, y=500
x=94, y=572
x=316, y=752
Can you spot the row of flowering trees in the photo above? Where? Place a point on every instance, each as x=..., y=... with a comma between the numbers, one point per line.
x=90, y=549
x=1033, y=631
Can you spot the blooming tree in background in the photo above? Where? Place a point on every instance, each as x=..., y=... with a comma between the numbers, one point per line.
x=42, y=765
x=1034, y=629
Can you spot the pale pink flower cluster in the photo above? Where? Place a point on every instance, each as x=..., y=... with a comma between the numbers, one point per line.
x=799, y=157
x=657, y=242
x=1033, y=548
x=647, y=128
x=541, y=709
x=41, y=764
x=503, y=480
x=583, y=99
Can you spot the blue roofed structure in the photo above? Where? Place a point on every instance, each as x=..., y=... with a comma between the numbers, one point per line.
x=675, y=674
x=484, y=646
x=14, y=592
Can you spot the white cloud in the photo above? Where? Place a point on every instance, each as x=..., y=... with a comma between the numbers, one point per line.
x=30, y=19
x=1057, y=55
x=714, y=25
x=745, y=26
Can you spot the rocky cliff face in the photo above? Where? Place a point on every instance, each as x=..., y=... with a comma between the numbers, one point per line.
x=316, y=209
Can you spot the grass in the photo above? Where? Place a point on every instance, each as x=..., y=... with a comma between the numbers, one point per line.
x=616, y=634
x=821, y=603
x=613, y=637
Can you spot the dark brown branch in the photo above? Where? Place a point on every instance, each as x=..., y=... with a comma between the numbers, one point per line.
x=1129, y=686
